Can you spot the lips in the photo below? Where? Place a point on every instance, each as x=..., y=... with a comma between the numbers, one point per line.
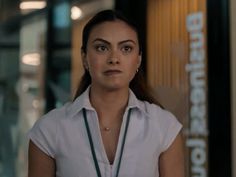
x=112, y=72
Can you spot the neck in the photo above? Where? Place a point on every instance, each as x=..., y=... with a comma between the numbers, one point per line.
x=110, y=104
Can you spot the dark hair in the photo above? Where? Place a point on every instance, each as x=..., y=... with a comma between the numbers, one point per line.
x=104, y=16
x=138, y=84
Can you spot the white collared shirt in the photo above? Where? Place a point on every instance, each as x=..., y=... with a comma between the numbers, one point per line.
x=62, y=135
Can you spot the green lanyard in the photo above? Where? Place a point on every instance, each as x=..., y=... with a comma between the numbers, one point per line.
x=92, y=146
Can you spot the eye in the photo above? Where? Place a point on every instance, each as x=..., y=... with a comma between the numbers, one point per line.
x=101, y=48
x=127, y=49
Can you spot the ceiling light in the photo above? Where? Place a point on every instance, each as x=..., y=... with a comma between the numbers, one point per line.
x=32, y=5
x=32, y=59
x=76, y=13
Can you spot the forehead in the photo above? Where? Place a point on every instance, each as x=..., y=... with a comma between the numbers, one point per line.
x=113, y=30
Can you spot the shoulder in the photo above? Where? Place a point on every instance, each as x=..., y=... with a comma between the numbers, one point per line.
x=44, y=133
x=161, y=119
x=165, y=125
x=54, y=116
x=156, y=112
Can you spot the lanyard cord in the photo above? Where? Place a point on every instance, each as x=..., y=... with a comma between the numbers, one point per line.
x=123, y=142
x=92, y=146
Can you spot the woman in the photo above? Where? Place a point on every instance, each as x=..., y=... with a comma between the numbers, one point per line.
x=112, y=128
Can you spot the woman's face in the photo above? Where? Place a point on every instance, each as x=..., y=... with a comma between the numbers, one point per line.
x=112, y=56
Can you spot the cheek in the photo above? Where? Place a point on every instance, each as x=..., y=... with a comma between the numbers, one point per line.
x=132, y=67
x=95, y=65
x=134, y=64
x=93, y=61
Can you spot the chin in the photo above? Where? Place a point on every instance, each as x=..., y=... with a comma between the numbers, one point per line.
x=111, y=85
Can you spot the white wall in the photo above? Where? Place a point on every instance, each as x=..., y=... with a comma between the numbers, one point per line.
x=233, y=81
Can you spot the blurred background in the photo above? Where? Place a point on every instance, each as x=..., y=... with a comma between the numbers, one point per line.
x=189, y=60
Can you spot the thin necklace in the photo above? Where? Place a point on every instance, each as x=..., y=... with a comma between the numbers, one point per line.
x=106, y=129
x=92, y=145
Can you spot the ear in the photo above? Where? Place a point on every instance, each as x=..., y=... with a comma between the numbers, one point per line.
x=85, y=63
x=139, y=60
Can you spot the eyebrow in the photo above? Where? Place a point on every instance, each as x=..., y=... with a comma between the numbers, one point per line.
x=105, y=41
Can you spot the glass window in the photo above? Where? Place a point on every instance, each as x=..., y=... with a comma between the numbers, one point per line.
x=9, y=101
x=36, y=75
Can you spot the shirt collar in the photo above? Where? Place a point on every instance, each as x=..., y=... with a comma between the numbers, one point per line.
x=83, y=102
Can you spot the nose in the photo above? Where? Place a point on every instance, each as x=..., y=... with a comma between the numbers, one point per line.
x=113, y=58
